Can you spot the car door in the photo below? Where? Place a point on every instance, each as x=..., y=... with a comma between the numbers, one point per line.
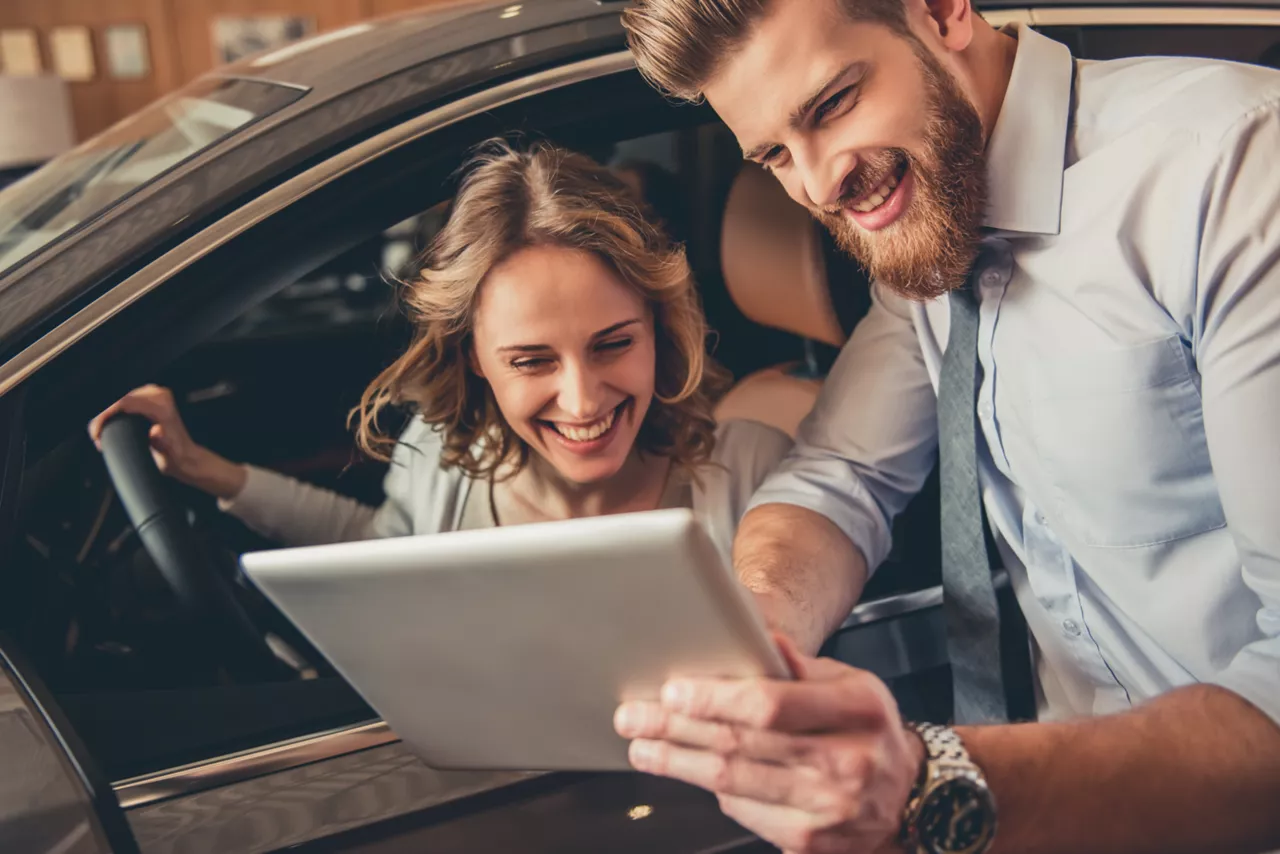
x=200, y=762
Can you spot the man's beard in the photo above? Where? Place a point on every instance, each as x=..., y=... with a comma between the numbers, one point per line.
x=929, y=249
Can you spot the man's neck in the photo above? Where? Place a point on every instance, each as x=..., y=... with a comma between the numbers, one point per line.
x=989, y=58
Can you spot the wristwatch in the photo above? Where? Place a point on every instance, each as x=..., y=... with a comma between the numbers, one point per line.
x=950, y=809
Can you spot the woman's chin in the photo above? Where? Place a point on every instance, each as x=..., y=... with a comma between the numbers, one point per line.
x=587, y=472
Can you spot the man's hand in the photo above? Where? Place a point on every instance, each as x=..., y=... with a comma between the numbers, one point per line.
x=819, y=764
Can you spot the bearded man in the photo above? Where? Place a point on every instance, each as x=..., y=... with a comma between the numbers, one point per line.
x=1076, y=272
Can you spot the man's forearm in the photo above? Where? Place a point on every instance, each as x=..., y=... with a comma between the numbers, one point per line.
x=1196, y=771
x=804, y=571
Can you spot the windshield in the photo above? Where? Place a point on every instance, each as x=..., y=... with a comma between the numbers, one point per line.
x=99, y=173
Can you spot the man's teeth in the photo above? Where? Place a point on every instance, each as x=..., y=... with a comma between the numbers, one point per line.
x=877, y=198
x=588, y=433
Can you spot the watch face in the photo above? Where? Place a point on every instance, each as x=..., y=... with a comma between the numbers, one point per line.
x=957, y=817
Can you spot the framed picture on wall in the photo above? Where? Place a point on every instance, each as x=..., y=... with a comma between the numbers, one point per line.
x=128, y=55
x=71, y=49
x=234, y=38
x=20, y=53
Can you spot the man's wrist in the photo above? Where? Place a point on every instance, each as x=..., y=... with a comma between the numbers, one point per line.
x=785, y=615
x=903, y=840
x=951, y=808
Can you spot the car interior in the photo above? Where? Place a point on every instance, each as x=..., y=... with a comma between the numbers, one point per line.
x=267, y=350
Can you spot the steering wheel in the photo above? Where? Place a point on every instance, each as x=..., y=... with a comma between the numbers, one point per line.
x=160, y=519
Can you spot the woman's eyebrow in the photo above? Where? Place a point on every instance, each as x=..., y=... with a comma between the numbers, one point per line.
x=615, y=327
x=537, y=348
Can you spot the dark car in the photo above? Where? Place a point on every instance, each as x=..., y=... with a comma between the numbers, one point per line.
x=239, y=241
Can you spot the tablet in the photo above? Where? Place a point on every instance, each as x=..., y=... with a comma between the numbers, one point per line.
x=511, y=648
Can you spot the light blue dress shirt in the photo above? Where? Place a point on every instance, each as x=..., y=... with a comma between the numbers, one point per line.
x=1129, y=344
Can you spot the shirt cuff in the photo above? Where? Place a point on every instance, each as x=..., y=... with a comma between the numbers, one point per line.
x=261, y=490
x=849, y=507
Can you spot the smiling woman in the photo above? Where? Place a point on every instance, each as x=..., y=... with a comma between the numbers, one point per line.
x=558, y=369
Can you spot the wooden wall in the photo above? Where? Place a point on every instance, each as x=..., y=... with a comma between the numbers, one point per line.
x=179, y=34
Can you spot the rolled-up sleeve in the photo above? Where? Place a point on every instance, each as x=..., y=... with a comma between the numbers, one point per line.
x=1238, y=355
x=871, y=439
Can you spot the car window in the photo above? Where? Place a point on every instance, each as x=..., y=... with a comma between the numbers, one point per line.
x=100, y=172
x=271, y=388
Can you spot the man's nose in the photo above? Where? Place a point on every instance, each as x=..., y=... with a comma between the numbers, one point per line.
x=822, y=176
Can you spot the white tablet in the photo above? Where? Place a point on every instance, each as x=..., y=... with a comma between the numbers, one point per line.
x=511, y=648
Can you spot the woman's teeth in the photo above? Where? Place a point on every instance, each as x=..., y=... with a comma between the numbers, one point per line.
x=877, y=198
x=587, y=433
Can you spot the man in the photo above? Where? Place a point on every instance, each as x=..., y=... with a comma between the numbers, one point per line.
x=1103, y=239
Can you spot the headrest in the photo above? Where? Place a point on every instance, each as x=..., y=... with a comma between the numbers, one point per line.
x=771, y=254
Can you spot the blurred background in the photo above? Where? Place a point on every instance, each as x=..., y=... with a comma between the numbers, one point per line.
x=72, y=68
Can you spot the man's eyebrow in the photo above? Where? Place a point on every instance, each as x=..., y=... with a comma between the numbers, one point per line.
x=798, y=115
x=538, y=348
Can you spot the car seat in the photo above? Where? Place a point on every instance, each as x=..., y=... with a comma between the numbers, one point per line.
x=775, y=260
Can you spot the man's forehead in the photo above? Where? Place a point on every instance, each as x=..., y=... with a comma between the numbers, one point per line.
x=785, y=60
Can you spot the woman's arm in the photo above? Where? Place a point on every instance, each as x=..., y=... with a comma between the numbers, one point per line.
x=300, y=514
x=279, y=507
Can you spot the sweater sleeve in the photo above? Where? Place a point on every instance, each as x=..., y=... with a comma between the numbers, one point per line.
x=300, y=514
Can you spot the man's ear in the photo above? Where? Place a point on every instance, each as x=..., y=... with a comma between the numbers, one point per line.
x=953, y=21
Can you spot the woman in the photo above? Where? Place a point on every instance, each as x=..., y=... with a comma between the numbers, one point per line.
x=558, y=370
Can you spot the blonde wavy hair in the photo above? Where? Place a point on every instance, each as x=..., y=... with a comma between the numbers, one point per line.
x=542, y=196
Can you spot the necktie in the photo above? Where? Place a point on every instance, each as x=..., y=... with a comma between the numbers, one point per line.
x=970, y=610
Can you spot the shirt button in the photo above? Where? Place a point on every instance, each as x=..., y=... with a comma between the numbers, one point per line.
x=1072, y=628
x=984, y=410
x=992, y=278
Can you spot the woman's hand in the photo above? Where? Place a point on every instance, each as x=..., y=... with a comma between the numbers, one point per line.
x=175, y=452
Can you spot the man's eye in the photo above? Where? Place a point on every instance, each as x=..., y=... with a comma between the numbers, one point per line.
x=772, y=155
x=830, y=105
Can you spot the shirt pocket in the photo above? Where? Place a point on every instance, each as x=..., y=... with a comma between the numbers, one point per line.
x=1121, y=436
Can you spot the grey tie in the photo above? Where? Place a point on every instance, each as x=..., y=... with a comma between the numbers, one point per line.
x=969, y=600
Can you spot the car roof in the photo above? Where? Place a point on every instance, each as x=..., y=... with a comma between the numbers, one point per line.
x=356, y=81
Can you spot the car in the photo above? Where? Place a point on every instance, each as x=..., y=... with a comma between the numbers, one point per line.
x=239, y=242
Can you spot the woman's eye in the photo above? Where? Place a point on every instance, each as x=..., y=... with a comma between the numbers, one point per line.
x=529, y=364
x=615, y=345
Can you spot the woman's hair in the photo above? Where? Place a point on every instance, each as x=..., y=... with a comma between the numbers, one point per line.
x=543, y=196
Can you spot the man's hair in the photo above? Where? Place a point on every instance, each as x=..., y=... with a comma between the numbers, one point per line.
x=678, y=45
x=544, y=196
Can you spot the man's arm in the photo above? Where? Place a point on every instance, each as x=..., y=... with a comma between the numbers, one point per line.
x=1196, y=770
x=803, y=570
x=820, y=525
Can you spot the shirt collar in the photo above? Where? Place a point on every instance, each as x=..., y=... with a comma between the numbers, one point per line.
x=1027, y=149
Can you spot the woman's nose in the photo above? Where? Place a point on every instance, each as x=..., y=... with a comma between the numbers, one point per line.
x=580, y=392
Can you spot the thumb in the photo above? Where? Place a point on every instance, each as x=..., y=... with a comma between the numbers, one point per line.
x=159, y=439
x=791, y=655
